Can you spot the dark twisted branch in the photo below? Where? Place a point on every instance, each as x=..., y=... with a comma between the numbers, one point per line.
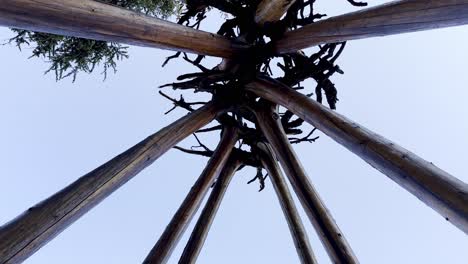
x=307, y=138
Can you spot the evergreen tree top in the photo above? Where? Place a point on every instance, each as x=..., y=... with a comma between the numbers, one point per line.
x=70, y=55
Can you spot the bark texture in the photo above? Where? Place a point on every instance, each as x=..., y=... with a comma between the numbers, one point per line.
x=436, y=188
x=271, y=10
x=388, y=19
x=161, y=252
x=25, y=234
x=200, y=232
x=298, y=232
x=94, y=20
x=332, y=238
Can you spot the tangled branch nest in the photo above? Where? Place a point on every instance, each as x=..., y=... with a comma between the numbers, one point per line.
x=229, y=76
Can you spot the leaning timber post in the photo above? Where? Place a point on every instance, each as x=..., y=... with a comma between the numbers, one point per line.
x=24, y=235
x=113, y=24
x=436, y=188
x=271, y=10
x=202, y=227
x=332, y=238
x=298, y=232
x=388, y=19
x=176, y=228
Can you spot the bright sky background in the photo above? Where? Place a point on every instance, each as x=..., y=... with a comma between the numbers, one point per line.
x=410, y=88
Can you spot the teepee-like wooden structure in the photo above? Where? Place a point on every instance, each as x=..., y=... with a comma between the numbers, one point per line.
x=447, y=195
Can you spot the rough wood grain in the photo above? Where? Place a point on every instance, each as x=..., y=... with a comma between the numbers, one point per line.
x=298, y=232
x=388, y=19
x=94, y=20
x=176, y=228
x=330, y=235
x=25, y=234
x=271, y=10
x=200, y=232
x=267, y=11
x=436, y=188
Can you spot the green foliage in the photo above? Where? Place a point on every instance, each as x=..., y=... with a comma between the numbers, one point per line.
x=157, y=8
x=69, y=55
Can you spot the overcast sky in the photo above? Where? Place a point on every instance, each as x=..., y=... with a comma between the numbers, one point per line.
x=410, y=88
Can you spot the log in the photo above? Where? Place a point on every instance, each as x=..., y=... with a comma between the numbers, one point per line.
x=94, y=20
x=161, y=252
x=200, y=232
x=330, y=235
x=24, y=235
x=388, y=19
x=298, y=232
x=271, y=10
x=436, y=188
x=267, y=11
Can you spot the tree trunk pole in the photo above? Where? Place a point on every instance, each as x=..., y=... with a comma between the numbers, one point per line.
x=24, y=235
x=94, y=20
x=298, y=232
x=388, y=19
x=200, y=232
x=176, y=228
x=332, y=238
x=271, y=10
x=436, y=188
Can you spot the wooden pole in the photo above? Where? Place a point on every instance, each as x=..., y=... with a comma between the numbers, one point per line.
x=332, y=238
x=200, y=232
x=436, y=188
x=24, y=235
x=267, y=11
x=298, y=232
x=392, y=18
x=271, y=10
x=94, y=20
x=176, y=228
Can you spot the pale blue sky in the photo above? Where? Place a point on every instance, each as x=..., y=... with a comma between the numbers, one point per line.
x=410, y=88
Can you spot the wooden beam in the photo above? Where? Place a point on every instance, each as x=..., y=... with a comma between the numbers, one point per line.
x=94, y=20
x=332, y=238
x=161, y=252
x=298, y=232
x=25, y=234
x=388, y=19
x=271, y=10
x=436, y=188
x=267, y=11
x=200, y=232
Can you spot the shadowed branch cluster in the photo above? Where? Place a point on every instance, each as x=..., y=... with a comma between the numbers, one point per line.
x=231, y=74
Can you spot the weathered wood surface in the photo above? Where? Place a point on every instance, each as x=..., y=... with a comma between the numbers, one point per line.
x=267, y=11
x=436, y=188
x=271, y=10
x=162, y=251
x=200, y=232
x=298, y=232
x=330, y=235
x=388, y=19
x=94, y=20
x=25, y=234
